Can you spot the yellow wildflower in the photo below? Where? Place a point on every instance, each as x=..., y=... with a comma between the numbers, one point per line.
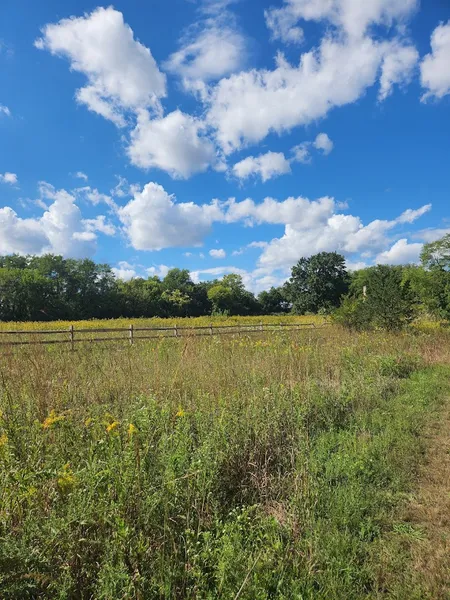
x=112, y=426
x=3, y=439
x=180, y=412
x=88, y=421
x=52, y=419
x=66, y=479
x=131, y=429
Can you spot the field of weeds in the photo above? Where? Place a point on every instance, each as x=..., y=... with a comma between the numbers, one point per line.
x=255, y=467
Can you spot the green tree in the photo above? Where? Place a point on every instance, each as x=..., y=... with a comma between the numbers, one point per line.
x=436, y=255
x=388, y=302
x=230, y=296
x=273, y=301
x=318, y=283
x=24, y=295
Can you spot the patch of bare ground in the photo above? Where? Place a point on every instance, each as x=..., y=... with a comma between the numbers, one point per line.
x=416, y=559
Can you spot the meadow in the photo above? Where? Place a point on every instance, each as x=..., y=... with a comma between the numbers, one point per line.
x=270, y=466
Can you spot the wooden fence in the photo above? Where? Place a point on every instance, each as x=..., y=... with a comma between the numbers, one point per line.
x=131, y=334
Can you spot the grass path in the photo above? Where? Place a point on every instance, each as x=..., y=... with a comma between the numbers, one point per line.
x=423, y=537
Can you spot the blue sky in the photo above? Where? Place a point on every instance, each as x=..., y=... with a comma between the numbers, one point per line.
x=224, y=135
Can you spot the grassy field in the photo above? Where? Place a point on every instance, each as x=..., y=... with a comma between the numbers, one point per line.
x=158, y=322
x=248, y=467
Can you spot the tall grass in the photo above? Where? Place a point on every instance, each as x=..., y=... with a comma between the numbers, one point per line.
x=246, y=467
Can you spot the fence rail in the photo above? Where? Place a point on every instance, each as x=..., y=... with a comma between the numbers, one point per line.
x=132, y=333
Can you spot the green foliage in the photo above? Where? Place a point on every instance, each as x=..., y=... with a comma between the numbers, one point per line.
x=389, y=302
x=436, y=255
x=273, y=301
x=229, y=296
x=432, y=290
x=317, y=283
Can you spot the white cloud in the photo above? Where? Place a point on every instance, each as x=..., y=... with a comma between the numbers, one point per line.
x=213, y=51
x=123, y=188
x=431, y=234
x=292, y=210
x=218, y=253
x=353, y=17
x=4, y=110
x=154, y=220
x=409, y=215
x=282, y=26
x=301, y=153
x=60, y=230
x=256, y=281
x=401, y=252
x=323, y=143
x=267, y=166
x=99, y=224
x=435, y=67
x=173, y=143
x=125, y=271
x=321, y=228
x=122, y=73
x=10, y=178
x=24, y=236
x=95, y=197
x=246, y=107
x=81, y=175
x=158, y=271
x=397, y=68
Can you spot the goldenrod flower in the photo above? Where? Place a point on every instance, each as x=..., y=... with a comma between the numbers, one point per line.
x=66, y=479
x=88, y=421
x=52, y=419
x=112, y=426
x=131, y=429
x=3, y=439
x=180, y=412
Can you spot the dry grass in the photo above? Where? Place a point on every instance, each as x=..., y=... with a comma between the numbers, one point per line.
x=199, y=468
x=422, y=537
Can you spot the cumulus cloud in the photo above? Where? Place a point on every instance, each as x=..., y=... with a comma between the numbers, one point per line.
x=273, y=164
x=174, y=143
x=353, y=17
x=122, y=73
x=323, y=143
x=302, y=152
x=402, y=252
x=24, y=236
x=61, y=229
x=266, y=166
x=322, y=228
x=10, y=178
x=208, y=53
x=4, y=110
x=218, y=253
x=154, y=220
x=397, y=68
x=125, y=271
x=283, y=26
x=81, y=175
x=245, y=107
x=435, y=67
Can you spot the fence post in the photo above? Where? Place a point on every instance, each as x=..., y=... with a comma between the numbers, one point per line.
x=72, y=346
x=131, y=334
x=211, y=328
x=175, y=330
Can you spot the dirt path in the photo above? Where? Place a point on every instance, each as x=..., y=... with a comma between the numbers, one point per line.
x=423, y=537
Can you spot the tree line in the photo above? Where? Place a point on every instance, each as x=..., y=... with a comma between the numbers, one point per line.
x=49, y=287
